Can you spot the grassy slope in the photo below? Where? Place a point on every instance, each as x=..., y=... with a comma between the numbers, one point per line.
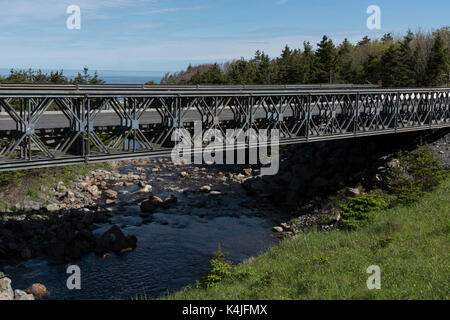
x=16, y=186
x=411, y=246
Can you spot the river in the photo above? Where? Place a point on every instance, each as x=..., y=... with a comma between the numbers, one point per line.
x=174, y=245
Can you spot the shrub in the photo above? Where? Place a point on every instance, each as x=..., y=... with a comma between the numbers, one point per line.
x=418, y=172
x=356, y=211
x=221, y=269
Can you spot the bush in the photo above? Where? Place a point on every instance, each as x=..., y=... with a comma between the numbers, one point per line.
x=416, y=173
x=357, y=211
x=221, y=269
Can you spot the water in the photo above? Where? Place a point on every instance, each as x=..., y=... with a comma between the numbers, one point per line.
x=174, y=246
x=110, y=76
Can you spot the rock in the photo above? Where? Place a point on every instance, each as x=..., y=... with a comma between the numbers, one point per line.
x=151, y=204
x=126, y=250
x=116, y=241
x=215, y=193
x=6, y=291
x=146, y=189
x=394, y=163
x=52, y=207
x=38, y=290
x=277, y=229
x=111, y=194
x=128, y=184
x=170, y=201
x=184, y=174
x=93, y=190
x=248, y=171
x=22, y=295
x=106, y=256
x=352, y=192
x=110, y=201
x=205, y=189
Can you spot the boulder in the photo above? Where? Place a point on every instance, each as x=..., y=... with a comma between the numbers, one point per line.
x=117, y=241
x=38, y=290
x=151, y=204
x=93, y=190
x=6, y=291
x=146, y=189
x=277, y=229
x=352, y=192
x=52, y=207
x=22, y=295
x=170, y=201
x=111, y=194
x=205, y=189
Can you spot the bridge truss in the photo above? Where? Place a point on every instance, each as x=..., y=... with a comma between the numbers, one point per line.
x=45, y=126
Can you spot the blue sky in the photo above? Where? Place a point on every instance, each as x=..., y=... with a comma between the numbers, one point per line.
x=167, y=35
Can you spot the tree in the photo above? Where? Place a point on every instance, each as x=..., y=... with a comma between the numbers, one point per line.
x=438, y=63
x=87, y=78
x=406, y=62
x=326, y=61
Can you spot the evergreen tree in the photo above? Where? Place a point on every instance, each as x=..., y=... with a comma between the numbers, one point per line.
x=438, y=63
x=326, y=61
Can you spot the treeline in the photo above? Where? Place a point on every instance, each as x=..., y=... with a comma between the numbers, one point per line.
x=54, y=77
x=417, y=59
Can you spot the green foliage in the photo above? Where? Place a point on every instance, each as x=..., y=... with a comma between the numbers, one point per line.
x=54, y=77
x=415, y=174
x=391, y=62
x=356, y=211
x=221, y=269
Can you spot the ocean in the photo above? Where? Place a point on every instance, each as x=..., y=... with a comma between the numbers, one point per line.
x=110, y=76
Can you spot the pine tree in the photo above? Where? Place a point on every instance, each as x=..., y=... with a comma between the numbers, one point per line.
x=406, y=62
x=438, y=62
x=326, y=61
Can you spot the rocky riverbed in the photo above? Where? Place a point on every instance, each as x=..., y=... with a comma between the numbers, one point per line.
x=128, y=213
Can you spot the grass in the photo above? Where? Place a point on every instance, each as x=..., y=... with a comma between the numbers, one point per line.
x=410, y=245
x=18, y=186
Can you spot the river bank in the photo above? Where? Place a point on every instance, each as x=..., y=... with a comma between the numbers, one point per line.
x=409, y=244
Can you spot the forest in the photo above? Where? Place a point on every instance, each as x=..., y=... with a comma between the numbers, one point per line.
x=420, y=59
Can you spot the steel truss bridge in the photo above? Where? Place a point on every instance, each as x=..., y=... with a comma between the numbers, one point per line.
x=52, y=125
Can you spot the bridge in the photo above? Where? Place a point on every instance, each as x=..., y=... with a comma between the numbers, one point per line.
x=53, y=125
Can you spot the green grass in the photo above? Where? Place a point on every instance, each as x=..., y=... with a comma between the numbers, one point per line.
x=410, y=244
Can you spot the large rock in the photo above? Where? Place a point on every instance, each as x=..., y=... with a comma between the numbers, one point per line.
x=38, y=290
x=6, y=291
x=150, y=205
x=22, y=295
x=93, y=190
x=111, y=194
x=116, y=241
x=145, y=189
x=170, y=201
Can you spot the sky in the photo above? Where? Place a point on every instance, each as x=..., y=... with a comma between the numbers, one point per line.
x=168, y=35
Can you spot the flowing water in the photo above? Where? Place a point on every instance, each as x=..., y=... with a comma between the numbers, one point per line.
x=174, y=245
